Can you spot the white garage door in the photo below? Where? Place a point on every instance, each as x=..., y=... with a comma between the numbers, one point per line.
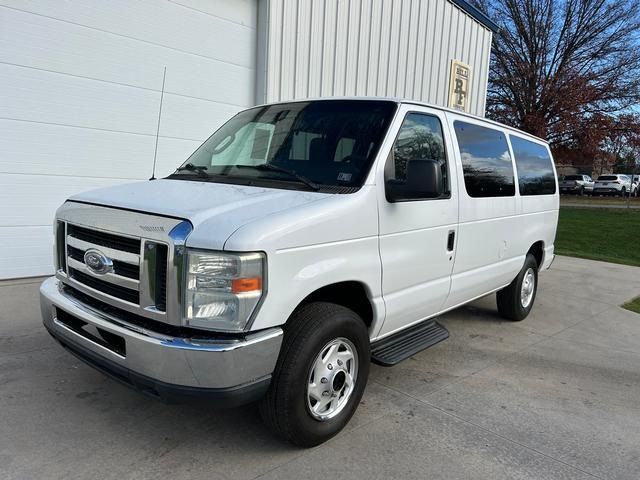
x=80, y=85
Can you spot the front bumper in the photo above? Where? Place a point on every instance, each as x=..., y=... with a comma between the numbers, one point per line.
x=225, y=371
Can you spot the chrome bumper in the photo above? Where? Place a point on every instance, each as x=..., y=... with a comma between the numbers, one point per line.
x=162, y=365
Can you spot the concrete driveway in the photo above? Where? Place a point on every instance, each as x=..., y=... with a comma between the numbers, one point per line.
x=556, y=396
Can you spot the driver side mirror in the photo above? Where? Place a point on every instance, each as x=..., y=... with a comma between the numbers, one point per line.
x=423, y=180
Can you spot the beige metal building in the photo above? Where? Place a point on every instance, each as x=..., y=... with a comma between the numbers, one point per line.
x=399, y=48
x=80, y=84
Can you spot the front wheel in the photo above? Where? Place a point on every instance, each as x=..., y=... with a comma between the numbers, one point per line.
x=515, y=301
x=320, y=375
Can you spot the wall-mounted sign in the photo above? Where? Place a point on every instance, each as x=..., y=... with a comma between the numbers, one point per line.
x=459, y=86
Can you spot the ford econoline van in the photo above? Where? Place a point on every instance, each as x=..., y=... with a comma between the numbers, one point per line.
x=301, y=241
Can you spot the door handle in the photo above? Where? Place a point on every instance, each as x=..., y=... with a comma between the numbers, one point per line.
x=451, y=240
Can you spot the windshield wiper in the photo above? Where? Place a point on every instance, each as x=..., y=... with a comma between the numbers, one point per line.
x=198, y=169
x=269, y=167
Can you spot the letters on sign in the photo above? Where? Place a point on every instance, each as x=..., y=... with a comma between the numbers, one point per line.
x=459, y=86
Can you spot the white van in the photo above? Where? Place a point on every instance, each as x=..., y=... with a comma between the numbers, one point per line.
x=299, y=242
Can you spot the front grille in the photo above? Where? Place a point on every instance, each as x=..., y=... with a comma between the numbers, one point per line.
x=125, y=244
x=126, y=281
x=123, y=293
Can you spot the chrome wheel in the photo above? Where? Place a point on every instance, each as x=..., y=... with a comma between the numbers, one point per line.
x=332, y=379
x=528, y=287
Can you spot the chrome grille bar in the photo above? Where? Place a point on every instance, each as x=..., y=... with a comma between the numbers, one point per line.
x=119, y=255
x=107, y=277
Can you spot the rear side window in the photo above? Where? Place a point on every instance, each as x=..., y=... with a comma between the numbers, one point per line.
x=535, y=168
x=488, y=171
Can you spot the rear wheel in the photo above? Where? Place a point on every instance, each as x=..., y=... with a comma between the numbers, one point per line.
x=581, y=191
x=320, y=375
x=515, y=301
x=623, y=192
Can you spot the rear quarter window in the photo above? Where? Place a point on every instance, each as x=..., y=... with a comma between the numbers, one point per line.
x=487, y=166
x=535, y=168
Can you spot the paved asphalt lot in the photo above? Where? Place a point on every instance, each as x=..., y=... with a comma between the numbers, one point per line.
x=554, y=397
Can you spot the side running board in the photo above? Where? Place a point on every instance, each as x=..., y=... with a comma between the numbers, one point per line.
x=400, y=346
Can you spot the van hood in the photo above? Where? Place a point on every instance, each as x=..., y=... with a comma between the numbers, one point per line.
x=225, y=207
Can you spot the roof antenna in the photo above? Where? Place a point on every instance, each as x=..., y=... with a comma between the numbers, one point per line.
x=155, y=153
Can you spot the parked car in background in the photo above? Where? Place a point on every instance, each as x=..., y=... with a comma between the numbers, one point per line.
x=635, y=184
x=578, y=184
x=616, y=184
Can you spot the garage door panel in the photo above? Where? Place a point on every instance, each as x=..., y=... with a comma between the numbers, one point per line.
x=31, y=200
x=36, y=95
x=161, y=23
x=62, y=150
x=27, y=251
x=243, y=12
x=25, y=38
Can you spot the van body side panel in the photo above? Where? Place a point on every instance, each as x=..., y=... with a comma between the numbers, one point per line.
x=487, y=254
x=538, y=214
x=416, y=262
x=325, y=242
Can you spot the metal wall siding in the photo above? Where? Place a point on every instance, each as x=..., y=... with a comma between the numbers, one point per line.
x=403, y=48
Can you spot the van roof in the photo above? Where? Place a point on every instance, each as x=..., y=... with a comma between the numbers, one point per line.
x=414, y=102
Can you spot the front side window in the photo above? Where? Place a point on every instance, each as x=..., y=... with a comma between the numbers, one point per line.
x=420, y=138
x=535, y=167
x=488, y=171
x=321, y=145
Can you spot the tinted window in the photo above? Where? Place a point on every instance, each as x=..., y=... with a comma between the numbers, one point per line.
x=488, y=171
x=607, y=177
x=535, y=168
x=419, y=138
x=567, y=177
x=332, y=143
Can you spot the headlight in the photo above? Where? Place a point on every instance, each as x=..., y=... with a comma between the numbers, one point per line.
x=223, y=289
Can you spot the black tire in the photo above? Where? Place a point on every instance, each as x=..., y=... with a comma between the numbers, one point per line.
x=284, y=408
x=509, y=300
x=581, y=191
x=623, y=192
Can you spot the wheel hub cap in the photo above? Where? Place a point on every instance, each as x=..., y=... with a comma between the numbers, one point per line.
x=332, y=379
x=528, y=287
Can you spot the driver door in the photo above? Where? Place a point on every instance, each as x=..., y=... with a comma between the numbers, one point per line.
x=417, y=235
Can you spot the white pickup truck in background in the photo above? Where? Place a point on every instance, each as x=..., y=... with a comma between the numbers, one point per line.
x=301, y=241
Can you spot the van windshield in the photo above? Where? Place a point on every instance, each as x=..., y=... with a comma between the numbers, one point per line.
x=326, y=145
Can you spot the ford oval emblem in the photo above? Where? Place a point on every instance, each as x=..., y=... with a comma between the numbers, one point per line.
x=97, y=262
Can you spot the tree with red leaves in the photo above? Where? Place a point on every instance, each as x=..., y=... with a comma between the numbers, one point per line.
x=566, y=70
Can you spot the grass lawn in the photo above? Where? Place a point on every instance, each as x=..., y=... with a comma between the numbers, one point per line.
x=633, y=305
x=587, y=200
x=610, y=235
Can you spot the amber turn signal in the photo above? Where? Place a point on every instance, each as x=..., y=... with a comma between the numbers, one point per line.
x=241, y=285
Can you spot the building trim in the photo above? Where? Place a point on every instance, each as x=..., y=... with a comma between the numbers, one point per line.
x=477, y=14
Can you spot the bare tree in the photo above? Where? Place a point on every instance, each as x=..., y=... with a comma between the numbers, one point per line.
x=559, y=64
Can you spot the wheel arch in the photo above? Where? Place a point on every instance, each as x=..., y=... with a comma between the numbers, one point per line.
x=537, y=250
x=351, y=294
